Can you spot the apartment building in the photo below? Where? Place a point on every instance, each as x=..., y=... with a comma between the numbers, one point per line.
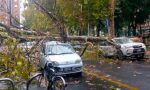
x=7, y=7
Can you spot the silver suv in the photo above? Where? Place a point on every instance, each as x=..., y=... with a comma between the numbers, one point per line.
x=128, y=48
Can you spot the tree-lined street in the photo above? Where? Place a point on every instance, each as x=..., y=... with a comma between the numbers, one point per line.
x=107, y=39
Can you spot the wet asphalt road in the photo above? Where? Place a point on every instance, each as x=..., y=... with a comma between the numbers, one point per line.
x=86, y=83
x=135, y=74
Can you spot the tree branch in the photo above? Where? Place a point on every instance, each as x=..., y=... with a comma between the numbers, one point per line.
x=56, y=22
x=11, y=33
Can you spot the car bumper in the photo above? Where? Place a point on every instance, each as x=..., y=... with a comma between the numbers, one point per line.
x=62, y=70
x=135, y=52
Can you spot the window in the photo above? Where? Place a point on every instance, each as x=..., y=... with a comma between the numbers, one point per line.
x=16, y=5
x=59, y=49
x=105, y=43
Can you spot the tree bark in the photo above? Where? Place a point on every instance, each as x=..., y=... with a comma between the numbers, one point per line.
x=59, y=26
x=98, y=28
x=134, y=30
x=11, y=33
x=112, y=22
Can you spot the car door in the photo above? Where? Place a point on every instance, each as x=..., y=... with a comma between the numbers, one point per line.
x=107, y=48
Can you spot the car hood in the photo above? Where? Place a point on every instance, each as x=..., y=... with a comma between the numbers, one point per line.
x=64, y=58
x=132, y=44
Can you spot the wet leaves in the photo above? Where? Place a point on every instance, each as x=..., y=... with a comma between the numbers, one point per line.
x=14, y=62
x=135, y=72
x=95, y=83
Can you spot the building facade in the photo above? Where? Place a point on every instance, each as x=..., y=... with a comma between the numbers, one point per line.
x=8, y=7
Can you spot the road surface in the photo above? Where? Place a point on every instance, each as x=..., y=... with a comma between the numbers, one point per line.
x=131, y=74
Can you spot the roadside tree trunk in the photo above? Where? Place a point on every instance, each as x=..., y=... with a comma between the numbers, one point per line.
x=112, y=21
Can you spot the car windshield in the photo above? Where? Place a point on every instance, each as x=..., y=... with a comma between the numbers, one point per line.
x=122, y=40
x=59, y=49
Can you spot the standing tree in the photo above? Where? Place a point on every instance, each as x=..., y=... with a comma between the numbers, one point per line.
x=84, y=13
x=112, y=22
x=133, y=13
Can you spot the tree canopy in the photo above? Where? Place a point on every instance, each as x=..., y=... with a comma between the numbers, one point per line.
x=132, y=13
x=74, y=14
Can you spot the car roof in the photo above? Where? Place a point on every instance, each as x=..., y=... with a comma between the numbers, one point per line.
x=54, y=43
x=119, y=37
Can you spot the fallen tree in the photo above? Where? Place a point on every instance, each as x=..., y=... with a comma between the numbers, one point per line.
x=59, y=26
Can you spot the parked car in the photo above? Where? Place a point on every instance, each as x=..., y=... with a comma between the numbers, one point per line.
x=76, y=46
x=107, y=49
x=26, y=45
x=128, y=48
x=62, y=56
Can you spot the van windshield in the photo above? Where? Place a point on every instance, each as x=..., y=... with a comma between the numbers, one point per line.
x=57, y=49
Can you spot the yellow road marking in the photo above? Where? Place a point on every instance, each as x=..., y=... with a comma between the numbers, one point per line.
x=100, y=76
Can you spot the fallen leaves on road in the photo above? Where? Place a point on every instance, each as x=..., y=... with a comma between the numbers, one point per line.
x=135, y=72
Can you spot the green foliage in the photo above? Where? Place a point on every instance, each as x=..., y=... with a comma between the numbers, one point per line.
x=41, y=22
x=29, y=14
x=131, y=13
x=37, y=20
x=14, y=63
x=74, y=14
x=79, y=13
x=138, y=10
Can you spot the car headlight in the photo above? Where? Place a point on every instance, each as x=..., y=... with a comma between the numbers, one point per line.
x=143, y=45
x=77, y=61
x=49, y=64
x=55, y=63
x=127, y=47
x=52, y=64
x=50, y=68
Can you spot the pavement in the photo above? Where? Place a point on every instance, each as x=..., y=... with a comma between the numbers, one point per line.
x=119, y=75
x=88, y=82
x=132, y=75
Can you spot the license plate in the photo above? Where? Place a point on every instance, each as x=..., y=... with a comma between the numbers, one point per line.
x=139, y=50
x=67, y=69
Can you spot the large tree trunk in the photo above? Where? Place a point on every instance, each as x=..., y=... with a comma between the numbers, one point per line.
x=11, y=33
x=98, y=28
x=81, y=28
x=112, y=28
x=134, y=30
x=59, y=26
x=112, y=22
x=129, y=30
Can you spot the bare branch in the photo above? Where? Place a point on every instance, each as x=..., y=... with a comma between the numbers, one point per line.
x=56, y=22
x=11, y=33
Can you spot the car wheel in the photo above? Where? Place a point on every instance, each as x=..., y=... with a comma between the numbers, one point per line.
x=141, y=57
x=120, y=55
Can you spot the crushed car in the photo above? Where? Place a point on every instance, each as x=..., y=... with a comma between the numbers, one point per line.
x=123, y=47
x=107, y=49
x=128, y=48
x=62, y=56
